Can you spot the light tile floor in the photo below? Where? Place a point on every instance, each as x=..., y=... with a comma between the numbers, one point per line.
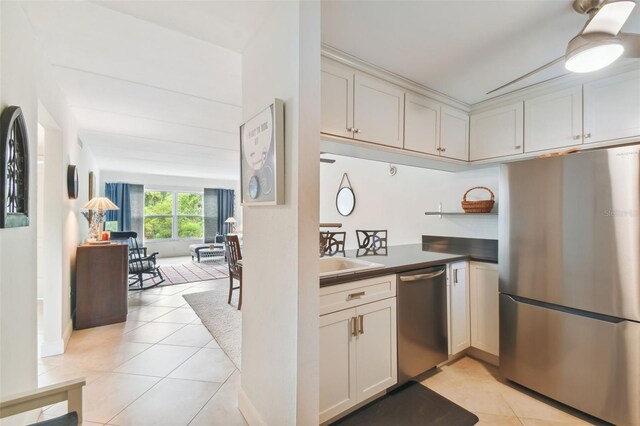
x=160, y=367
x=479, y=388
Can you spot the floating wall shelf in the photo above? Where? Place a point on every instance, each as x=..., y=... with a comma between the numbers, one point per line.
x=459, y=214
x=440, y=213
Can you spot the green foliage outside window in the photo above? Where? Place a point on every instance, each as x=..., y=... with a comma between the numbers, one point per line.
x=159, y=215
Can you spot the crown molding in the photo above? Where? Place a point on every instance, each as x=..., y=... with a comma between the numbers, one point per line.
x=374, y=70
x=550, y=86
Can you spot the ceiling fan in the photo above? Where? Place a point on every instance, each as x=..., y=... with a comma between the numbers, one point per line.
x=600, y=42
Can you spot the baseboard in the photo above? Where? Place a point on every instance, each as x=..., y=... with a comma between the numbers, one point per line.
x=247, y=409
x=66, y=334
x=483, y=356
x=51, y=347
x=354, y=408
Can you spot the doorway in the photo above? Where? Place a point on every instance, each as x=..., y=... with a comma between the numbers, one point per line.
x=50, y=175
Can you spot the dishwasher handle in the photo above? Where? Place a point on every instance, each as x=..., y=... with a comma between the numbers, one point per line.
x=420, y=277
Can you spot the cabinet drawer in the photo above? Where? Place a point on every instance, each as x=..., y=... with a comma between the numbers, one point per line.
x=348, y=295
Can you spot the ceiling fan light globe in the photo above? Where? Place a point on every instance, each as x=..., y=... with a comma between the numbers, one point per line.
x=591, y=52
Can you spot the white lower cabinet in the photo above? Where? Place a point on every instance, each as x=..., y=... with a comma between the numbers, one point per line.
x=358, y=355
x=337, y=359
x=458, y=296
x=483, y=293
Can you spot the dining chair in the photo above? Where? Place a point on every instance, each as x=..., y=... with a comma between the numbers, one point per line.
x=373, y=240
x=332, y=243
x=234, y=257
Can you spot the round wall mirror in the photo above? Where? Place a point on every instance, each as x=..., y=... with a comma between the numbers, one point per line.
x=345, y=201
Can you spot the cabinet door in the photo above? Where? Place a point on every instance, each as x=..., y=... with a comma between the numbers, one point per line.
x=497, y=133
x=376, y=354
x=459, y=326
x=421, y=124
x=483, y=291
x=554, y=120
x=454, y=134
x=336, y=109
x=337, y=363
x=378, y=111
x=612, y=108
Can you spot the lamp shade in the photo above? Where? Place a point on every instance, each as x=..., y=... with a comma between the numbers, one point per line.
x=100, y=203
x=231, y=220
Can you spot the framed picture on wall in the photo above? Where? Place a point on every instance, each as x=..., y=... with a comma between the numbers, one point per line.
x=262, y=157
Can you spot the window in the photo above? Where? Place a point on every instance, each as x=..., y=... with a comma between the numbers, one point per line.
x=173, y=215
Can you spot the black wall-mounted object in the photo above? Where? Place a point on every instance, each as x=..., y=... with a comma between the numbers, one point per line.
x=14, y=169
x=72, y=181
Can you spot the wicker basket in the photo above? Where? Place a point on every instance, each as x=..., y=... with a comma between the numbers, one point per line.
x=480, y=206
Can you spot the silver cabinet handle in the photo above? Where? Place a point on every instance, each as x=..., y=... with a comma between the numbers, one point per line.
x=356, y=130
x=587, y=135
x=354, y=330
x=355, y=295
x=443, y=149
x=517, y=147
x=455, y=276
x=408, y=278
x=349, y=129
x=576, y=137
x=361, y=322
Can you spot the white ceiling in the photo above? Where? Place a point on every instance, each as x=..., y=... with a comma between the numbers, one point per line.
x=155, y=86
x=460, y=48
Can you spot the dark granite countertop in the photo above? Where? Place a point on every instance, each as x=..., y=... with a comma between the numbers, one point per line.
x=405, y=258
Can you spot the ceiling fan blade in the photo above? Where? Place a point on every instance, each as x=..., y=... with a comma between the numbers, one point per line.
x=631, y=43
x=529, y=74
x=610, y=17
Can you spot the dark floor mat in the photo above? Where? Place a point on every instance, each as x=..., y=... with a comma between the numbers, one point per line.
x=410, y=405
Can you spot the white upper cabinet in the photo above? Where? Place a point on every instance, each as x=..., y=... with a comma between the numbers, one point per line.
x=553, y=120
x=432, y=128
x=421, y=124
x=497, y=133
x=612, y=108
x=378, y=111
x=336, y=110
x=454, y=133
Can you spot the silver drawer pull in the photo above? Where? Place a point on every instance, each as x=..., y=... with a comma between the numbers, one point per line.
x=407, y=278
x=355, y=295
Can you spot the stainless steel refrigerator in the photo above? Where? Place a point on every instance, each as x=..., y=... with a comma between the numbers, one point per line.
x=569, y=260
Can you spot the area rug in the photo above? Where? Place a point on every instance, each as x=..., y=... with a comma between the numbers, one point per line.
x=411, y=404
x=191, y=272
x=224, y=321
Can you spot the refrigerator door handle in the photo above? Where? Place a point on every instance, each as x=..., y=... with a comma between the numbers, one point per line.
x=564, y=309
x=420, y=277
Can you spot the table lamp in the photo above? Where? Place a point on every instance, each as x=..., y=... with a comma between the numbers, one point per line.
x=231, y=221
x=99, y=205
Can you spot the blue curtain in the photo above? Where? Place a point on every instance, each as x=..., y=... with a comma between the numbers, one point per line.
x=225, y=209
x=119, y=194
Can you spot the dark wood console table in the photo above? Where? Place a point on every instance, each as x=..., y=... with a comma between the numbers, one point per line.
x=100, y=295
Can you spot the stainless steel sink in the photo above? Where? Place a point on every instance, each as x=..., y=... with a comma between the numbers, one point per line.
x=330, y=266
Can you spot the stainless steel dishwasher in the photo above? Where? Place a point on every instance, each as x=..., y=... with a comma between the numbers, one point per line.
x=422, y=321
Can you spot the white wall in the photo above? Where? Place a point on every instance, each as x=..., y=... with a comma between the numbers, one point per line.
x=397, y=203
x=280, y=300
x=166, y=182
x=25, y=80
